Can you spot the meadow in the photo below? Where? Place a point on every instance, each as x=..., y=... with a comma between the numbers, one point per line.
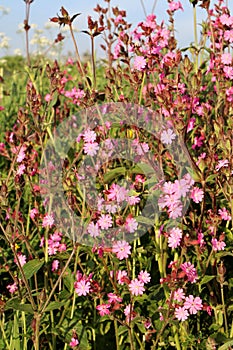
x=116, y=186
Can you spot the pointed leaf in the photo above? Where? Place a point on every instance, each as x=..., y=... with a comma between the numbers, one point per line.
x=53, y=305
x=31, y=267
x=206, y=279
x=226, y=346
x=74, y=16
x=15, y=304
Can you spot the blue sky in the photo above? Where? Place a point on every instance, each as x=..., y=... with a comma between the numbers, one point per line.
x=42, y=10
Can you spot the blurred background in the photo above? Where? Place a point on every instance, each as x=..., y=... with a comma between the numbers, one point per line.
x=43, y=32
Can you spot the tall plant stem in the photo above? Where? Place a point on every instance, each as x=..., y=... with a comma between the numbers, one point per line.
x=58, y=280
x=116, y=335
x=224, y=309
x=195, y=36
x=143, y=7
x=154, y=5
x=26, y=28
x=80, y=67
x=93, y=61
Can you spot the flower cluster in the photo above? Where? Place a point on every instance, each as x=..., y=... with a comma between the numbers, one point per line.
x=82, y=284
x=54, y=244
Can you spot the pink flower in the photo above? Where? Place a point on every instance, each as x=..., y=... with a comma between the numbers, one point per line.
x=224, y=214
x=93, y=230
x=226, y=58
x=228, y=35
x=228, y=72
x=226, y=19
x=22, y=259
x=103, y=309
x=91, y=148
x=131, y=224
x=117, y=193
x=122, y=249
x=217, y=245
x=105, y=221
x=189, y=180
x=142, y=148
x=197, y=194
x=174, y=6
x=74, y=342
x=222, y=164
x=200, y=239
x=175, y=236
x=139, y=63
x=175, y=210
x=12, y=287
x=129, y=313
x=132, y=200
x=198, y=142
x=181, y=313
x=191, y=124
x=55, y=265
x=21, y=169
x=121, y=275
x=48, y=221
x=193, y=304
x=33, y=213
x=167, y=136
x=181, y=188
x=144, y=277
x=113, y=298
x=136, y=287
x=48, y=98
x=82, y=287
x=190, y=271
x=21, y=155
x=179, y=294
x=70, y=61
x=89, y=136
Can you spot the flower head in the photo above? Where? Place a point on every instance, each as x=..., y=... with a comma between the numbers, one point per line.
x=174, y=238
x=136, y=287
x=122, y=249
x=103, y=309
x=139, y=63
x=48, y=221
x=181, y=313
x=193, y=304
x=82, y=287
x=144, y=277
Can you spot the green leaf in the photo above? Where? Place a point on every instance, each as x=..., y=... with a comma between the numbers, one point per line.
x=145, y=220
x=15, y=304
x=105, y=327
x=226, y=345
x=206, y=279
x=32, y=267
x=122, y=330
x=53, y=305
x=112, y=174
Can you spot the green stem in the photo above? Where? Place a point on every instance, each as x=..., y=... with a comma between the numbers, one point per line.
x=3, y=331
x=176, y=337
x=37, y=318
x=93, y=62
x=224, y=309
x=78, y=57
x=131, y=338
x=195, y=36
x=116, y=335
x=58, y=280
